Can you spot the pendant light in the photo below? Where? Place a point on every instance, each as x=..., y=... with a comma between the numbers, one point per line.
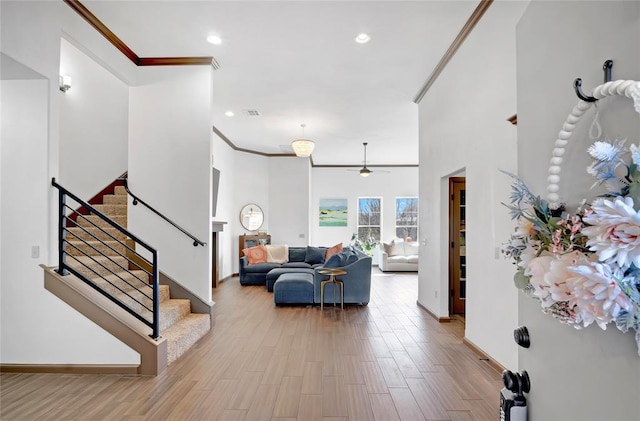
x=303, y=147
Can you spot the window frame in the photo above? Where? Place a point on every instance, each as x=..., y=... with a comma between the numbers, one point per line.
x=359, y=225
x=417, y=218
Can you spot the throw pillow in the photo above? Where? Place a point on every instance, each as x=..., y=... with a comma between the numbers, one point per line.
x=389, y=248
x=257, y=254
x=336, y=260
x=297, y=254
x=351, y=259
x=277, y=254
x=333, y=250
x=315, y=255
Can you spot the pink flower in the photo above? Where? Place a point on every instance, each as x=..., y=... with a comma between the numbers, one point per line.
x=549, y=275
x=596, y=293
x=615, y=231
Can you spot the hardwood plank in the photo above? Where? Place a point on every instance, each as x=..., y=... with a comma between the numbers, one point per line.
x=310, y=408
x=373, y=377
x=428, y=402
x=312, y=379
x=358, y=404
x=359, y=364
x=262, y=406
x=383, y=407
x=406, y=404
x=288, y=398
x=275, y=370
x=333, y=403
x=391, y=372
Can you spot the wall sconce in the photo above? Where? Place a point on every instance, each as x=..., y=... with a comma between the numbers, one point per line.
x=65, y=83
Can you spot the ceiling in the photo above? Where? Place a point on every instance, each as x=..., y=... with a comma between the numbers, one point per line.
x=296, y=62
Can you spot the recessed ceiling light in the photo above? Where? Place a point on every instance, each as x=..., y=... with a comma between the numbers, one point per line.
x=214, y=39
x=362, y=38
x=229, y=113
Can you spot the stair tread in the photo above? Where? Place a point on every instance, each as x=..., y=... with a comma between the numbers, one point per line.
x=182, y=335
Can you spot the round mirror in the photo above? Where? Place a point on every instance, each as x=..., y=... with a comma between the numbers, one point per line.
x=251, y=217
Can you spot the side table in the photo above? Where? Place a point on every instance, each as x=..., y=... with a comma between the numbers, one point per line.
x=332, y=279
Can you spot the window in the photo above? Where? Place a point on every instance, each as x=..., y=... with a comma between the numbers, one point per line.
x=369, y=219
x=407, y=217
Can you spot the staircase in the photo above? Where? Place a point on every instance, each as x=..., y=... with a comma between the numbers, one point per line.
x=86, y=245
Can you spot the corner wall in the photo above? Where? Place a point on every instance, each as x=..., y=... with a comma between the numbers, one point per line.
x=464, y=127
x=170, y=169
x=31, y=34
x=590, y=374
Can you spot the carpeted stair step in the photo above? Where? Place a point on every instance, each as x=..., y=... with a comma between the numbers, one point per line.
x=96, y=248
x=114, y=199
x=94, y=233
x=120, y=191
x=98, y=265
x=111, y=210
x=96, y=221
x=172, y=311
x=141, y=302
x=123, y=281
x=185, y=333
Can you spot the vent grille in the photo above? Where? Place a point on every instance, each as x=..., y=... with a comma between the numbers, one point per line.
x=251, y=113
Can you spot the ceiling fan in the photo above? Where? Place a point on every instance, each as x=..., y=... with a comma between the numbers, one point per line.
x=364, y=171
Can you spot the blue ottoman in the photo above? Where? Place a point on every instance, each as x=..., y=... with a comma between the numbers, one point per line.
x=293, y=288
x=274, y=274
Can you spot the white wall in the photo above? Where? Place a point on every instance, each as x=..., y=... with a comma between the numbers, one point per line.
x=170, y=169
x=332, y=183
x=30, y=34
x=31, y=316
x=289, y=189
x=463, y=127
x=589, y=374
x=93, y=124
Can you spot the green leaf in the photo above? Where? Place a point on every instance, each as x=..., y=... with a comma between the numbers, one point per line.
x=520, y=279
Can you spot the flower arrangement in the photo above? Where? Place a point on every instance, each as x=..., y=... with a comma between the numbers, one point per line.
x=584, y=267
x=365, y=244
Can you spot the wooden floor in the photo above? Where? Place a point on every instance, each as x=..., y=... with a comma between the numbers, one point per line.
x=387, y=361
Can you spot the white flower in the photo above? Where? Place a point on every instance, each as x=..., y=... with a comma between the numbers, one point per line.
x=615, y=231
x=529, y=253
x=536, y=270
x=596, y=294
x=605, y=151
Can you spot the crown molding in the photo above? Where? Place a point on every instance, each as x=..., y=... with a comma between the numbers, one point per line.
x=291, y=155
x=453, y=48
x=86, y=14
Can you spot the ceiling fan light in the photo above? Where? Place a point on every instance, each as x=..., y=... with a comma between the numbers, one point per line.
x=365, y=172
x=303, y=147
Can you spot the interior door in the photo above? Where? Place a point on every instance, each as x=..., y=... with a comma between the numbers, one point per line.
x=457, y=250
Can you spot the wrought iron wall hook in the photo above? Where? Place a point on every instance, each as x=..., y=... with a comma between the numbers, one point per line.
x=577, y=84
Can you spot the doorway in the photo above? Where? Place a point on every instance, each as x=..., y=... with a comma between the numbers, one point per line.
x=457, y=249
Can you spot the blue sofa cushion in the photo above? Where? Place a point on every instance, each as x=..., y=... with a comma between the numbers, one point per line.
x=352, y=258
x=336, y=260
x=297, y=254
x=261, y=267
x=293, y=288
x=296, y=265
x=315, y=255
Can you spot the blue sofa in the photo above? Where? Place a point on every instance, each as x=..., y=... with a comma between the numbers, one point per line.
x=357, y=281
x=257, y=274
